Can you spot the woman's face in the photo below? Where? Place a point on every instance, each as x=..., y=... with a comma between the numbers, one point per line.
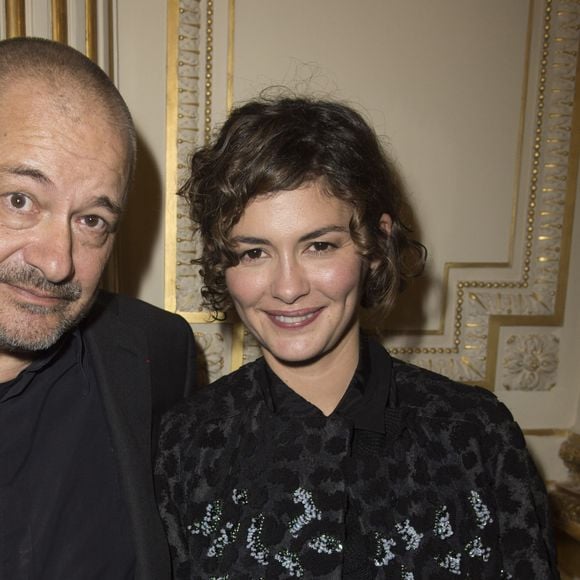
x=298, y=283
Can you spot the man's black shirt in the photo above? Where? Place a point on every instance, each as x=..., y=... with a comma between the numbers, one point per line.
x=62, y=510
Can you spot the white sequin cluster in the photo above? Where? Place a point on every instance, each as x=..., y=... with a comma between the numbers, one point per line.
x=442, y=528
x=325, y=544
x=257, y=550
x=475, y=549
x=383, y=554
x=290, y=562
x=482, y=513
x=410, y=535
x=451, y=562
x=208, y=525
x=240, y=496
x=406, y=575
x=226, y=535
x=311, y=512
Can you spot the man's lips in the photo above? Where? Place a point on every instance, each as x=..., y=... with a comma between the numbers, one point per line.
x=294, y=319
x=36, y=295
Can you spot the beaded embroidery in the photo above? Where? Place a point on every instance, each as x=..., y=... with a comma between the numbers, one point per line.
x=290, y=562
x=482, y=512
x=209, y=524
x=227, y=535
x=240, y=496
x=254, y=542
x=311, y=512
x=325, y=544
x=451, y=562
x=410, y=535
x=475, y=549
x=383, y=554
x=442, y=528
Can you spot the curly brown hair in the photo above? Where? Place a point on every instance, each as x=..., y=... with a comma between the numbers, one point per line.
x=272, y=145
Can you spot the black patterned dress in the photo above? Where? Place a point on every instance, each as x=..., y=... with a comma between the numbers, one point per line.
x=412, y=477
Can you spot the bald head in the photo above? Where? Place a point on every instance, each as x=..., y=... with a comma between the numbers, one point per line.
x=70, y=79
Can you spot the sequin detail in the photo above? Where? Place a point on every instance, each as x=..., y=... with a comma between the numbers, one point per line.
x=442, y=528
x=451, y=562
x=254, y=541
x=226, y=535
x=290, y=561
x=325, y=544
x=475, y=549
x=383, y=554
x=406, y=575
x=209, y=524
x=482, y=513
x=240, y=496
x=311, y=512
x=410, y=535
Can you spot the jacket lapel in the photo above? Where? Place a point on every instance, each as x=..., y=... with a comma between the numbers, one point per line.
x=119, y=356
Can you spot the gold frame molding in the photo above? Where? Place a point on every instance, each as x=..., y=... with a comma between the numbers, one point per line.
x=535, y=298
x=15, y=18
x=59, y=15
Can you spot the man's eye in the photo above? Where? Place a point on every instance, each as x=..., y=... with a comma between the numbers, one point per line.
x=94, y=221
x=18, y=200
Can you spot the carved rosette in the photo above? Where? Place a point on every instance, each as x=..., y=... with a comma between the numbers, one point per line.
x=535, y=292
x=530, y=362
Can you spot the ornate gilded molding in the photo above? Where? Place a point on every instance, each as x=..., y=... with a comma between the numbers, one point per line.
x=531, y=293
x=15, y=18
x=59, y=16
x=537, y=296
x=91, y=42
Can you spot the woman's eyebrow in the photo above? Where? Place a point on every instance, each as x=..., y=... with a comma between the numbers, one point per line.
x=322, y=231
x=304, y=238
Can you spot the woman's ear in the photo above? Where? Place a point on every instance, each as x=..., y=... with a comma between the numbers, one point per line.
x=386, y=223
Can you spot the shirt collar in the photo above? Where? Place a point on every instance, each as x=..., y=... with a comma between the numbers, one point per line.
x=365, y=400
x=70, y=343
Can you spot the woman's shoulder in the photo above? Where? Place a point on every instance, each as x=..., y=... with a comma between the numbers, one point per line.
x=227, y=396
x=439, y=397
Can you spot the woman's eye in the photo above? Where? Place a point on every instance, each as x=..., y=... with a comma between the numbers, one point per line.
x=320, y=247
x=253, y=254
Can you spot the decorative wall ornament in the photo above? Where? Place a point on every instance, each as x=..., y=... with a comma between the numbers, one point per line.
x=530, y=362
x=212, y=354
x=527, y=291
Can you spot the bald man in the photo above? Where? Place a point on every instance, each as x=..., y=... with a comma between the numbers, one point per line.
x=84, y=375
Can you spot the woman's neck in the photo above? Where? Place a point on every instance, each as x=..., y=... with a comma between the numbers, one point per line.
x=323, y=381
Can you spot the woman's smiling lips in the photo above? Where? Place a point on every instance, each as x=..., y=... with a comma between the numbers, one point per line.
x=294, y=319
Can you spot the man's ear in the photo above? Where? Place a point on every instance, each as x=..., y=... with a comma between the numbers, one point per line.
x=386, y=223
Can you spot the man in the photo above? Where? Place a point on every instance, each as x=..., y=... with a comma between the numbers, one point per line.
x=83, y=375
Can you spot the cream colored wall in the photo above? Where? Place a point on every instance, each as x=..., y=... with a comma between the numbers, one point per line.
x=454, y=88
x=141, y=78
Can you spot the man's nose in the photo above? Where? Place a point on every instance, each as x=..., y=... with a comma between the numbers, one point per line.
x=290, y=281
x=51, y=252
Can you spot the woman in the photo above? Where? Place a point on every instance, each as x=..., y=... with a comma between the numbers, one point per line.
x=327, y=458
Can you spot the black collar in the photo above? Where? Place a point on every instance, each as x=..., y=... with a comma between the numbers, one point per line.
x=364, y=403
